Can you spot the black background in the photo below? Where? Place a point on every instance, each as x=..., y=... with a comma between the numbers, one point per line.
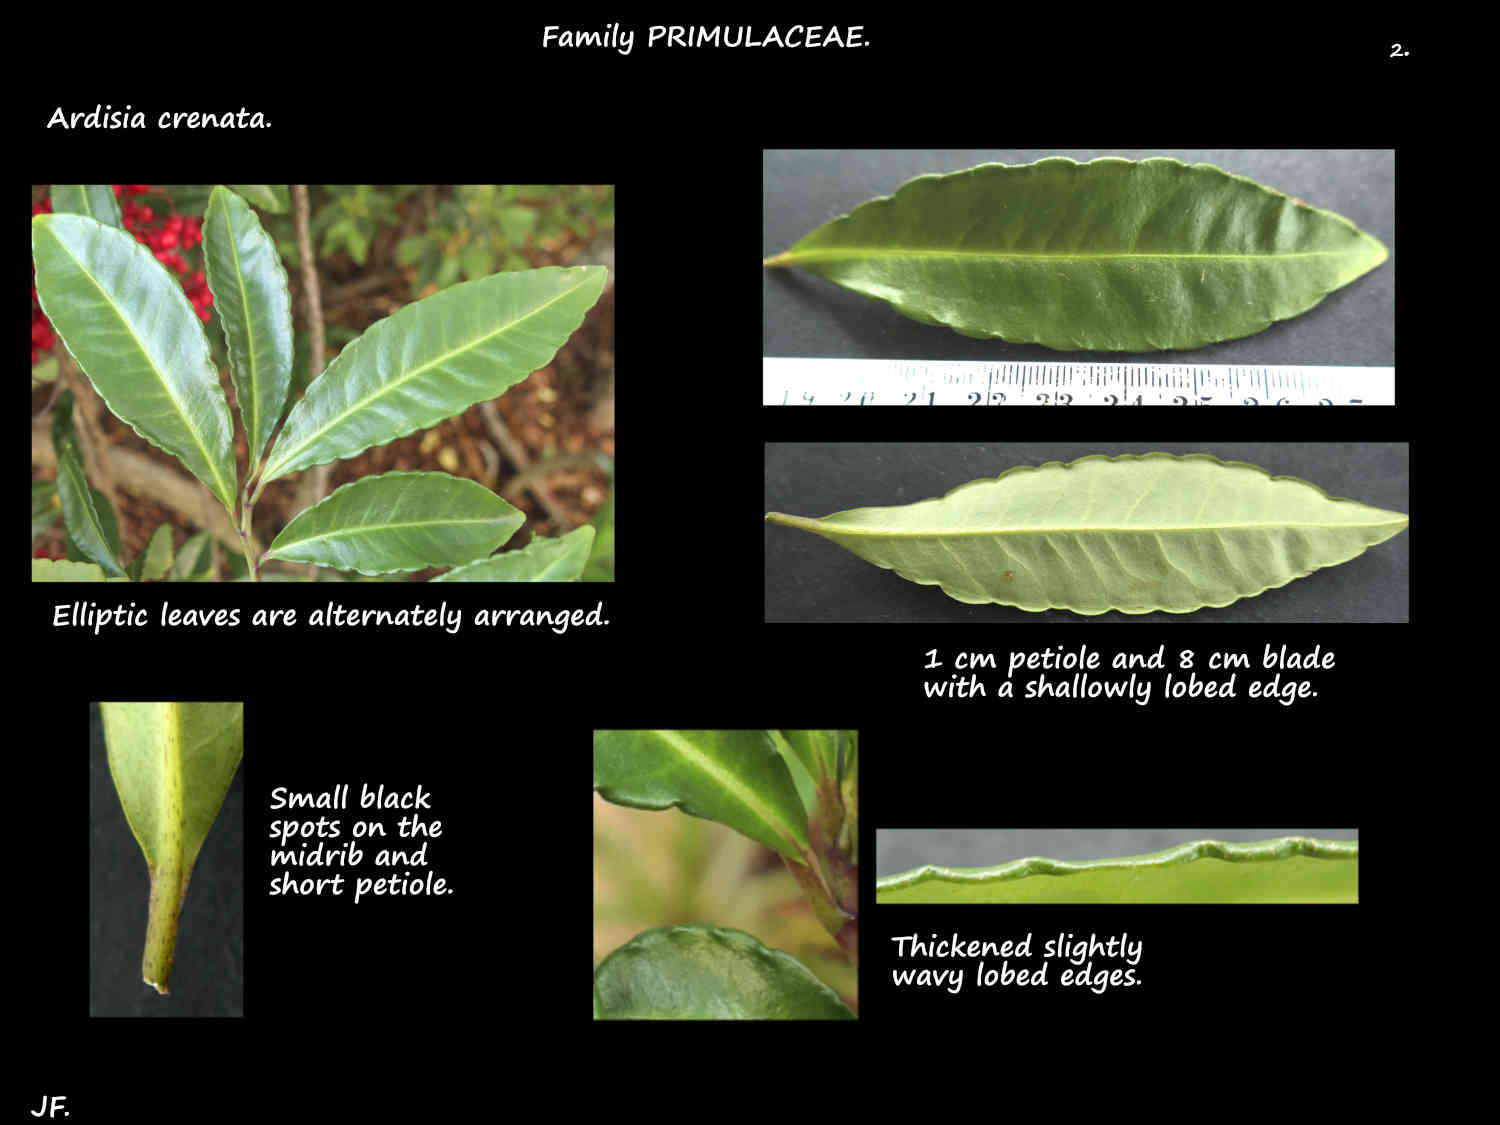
x=438, y=1004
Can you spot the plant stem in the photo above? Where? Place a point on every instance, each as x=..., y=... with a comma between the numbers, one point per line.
x=250, y=561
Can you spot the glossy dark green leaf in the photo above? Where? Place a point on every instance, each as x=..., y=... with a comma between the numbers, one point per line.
x=433, y=359
x=707, y=973
x=1112, y=255
x=542, y=560
x=250, y=292
x=94, y=200
x=399, y=521
x=172, y=764
x=273, y=197
x=95, y=536
x=1134, y=534
x=131, y=328
x=1293, y=869
x=735, y=777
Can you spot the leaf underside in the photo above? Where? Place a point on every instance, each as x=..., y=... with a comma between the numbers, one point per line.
x=172, y=764
x=433, y=359
x=399, y=521
x=1293, y=869
x=1138, y=534
x=83, y=515
x=705, y=972
x=542, y=560
x=1111, y=255
x=135, y=335
x=735, y=777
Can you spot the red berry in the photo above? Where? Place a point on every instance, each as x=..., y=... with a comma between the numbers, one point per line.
x=168, y=239
x=145, y=213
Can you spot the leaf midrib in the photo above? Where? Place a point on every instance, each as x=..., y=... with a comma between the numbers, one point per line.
x=745, y=795
x=1173, y=529
x=794, y=255
x=391, y=385
x=376, y=529
x=224, y=491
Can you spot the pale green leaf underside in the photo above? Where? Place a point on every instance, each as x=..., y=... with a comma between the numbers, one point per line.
x=542, y=560
x=399, y=521
x=94, y=200
x=132, y=330
x=1134, y=533
x=1293, y=869
x=709, y=973
x=433, y=359
x=172, y=764
x=251, y=297
x=1111, y=255
x=735, y=777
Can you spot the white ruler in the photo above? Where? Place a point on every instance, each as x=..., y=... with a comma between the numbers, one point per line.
x=897, y=382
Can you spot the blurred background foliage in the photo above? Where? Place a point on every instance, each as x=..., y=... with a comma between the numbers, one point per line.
x=661, y=868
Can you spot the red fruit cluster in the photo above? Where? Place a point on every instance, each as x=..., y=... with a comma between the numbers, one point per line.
x=165, y=235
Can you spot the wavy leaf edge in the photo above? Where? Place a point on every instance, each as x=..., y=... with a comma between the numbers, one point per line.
x=1261, y=851
x=803, y=523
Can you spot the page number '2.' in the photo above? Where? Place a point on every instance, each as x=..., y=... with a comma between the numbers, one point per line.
x=1398, y=51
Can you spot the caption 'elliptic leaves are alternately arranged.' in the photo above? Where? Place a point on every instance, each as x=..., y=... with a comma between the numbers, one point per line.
x=1136, y=534
x=399, y=521
x=1111, y=255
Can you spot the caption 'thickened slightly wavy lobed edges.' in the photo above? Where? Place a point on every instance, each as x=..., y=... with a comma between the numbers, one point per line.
x=1173, y=875
x=1108, y=255
x=1137, y=534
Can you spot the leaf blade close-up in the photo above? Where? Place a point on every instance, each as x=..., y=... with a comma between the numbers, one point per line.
x=735, y=777
x=1293, y=869
x=1108, y=255
x=135, y=335
x=399, y=521
x=171, y=764
x=1138, y=534
x=433, y=359
x=708, y=972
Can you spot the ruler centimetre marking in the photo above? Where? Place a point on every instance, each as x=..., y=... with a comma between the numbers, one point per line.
x=899, y=382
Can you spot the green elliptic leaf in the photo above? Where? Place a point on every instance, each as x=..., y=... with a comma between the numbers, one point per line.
x=61, y=570
x=1293, y=869
x=1134, y=533
x=708, y=973
x=132, y=330
x=399, y=521
x=172, y=764
x=94, y=200
x=542, y=560
x=735, y=777
x=275, y=197
x=156, y=559
x=251, y=297
x=1112, y=255
x=436, y=357
x=95, y=534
